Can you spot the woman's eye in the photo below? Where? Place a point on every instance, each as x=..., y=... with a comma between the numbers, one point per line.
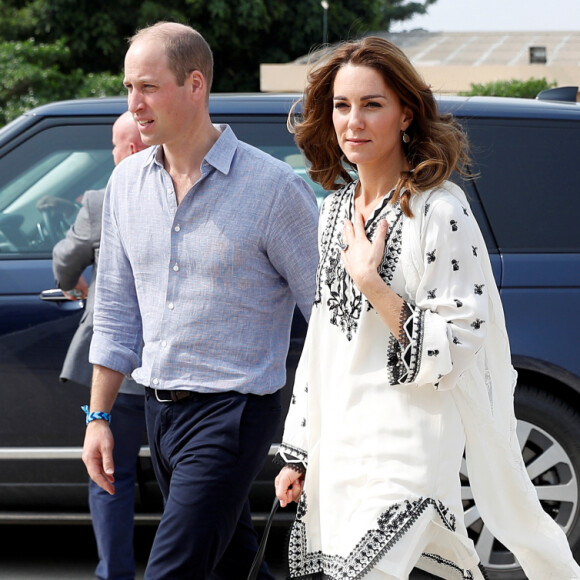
x=373, y=104
x=340, y=105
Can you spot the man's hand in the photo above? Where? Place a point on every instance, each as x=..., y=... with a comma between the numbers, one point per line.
x=98, y=446
x=289, y=484
x=82, y=289
x=98, y=454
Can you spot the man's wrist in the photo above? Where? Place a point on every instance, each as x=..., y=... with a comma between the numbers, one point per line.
x=95, y=415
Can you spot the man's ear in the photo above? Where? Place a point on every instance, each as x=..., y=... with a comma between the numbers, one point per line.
x=197, y=82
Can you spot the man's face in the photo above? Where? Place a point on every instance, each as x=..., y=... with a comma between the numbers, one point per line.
x=161, y=108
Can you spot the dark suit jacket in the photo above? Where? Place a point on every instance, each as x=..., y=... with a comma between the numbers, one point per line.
x=70, y=257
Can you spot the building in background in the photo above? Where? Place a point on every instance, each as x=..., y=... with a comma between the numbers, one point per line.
x=451, y=61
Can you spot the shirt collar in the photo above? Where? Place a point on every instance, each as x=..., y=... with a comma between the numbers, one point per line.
x=222, y=153
x=219, y=156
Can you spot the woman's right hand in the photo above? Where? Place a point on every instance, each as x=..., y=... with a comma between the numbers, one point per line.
x=289, y=484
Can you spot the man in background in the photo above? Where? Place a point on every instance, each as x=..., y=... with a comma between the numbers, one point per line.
x=112, y=515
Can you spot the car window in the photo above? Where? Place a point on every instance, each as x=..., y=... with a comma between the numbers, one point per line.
x=528, y=182
x=273, y=137
x=42, y=182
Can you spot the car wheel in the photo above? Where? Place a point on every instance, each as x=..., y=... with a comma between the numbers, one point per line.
x=549, y=435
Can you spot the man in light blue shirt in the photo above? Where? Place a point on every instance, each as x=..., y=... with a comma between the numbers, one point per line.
x=207, y=245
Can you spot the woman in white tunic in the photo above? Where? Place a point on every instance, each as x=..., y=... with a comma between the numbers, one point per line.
x=406, y=361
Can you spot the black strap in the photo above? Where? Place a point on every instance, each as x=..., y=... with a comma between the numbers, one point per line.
x=260, y=553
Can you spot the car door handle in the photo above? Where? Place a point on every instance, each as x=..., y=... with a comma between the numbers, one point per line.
x=53, y=295
x=57, y=295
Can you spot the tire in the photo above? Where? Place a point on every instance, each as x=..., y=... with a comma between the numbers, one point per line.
x=549, y=435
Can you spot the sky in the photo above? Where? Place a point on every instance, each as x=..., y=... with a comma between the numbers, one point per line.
x=496, y=15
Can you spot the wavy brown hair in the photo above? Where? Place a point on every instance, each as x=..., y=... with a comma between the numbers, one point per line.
x=437, y=144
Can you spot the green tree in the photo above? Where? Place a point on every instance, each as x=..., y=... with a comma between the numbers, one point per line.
x=242, y=33
x=512, y=88
x=32, y=74
x=58, y=49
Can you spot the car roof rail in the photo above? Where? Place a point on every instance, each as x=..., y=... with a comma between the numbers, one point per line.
x=568, y=94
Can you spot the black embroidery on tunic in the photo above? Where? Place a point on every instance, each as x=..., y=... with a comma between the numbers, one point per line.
x=289, y=456
x=390, y=528
x=453, y=225
x=403, y=354
x=404, y=337
x=455, y=265
x=345, y=302
x=431, y=257
x=467, y=574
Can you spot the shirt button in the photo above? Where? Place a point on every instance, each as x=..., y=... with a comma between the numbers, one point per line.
x=175, y=268
x=156, y=381
x=164, y=344
x=177, y=228
x=170, y=306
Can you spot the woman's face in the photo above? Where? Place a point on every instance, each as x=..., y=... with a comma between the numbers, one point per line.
x=368, y=117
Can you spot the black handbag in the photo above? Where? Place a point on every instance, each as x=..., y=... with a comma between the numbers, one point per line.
x=262, y=548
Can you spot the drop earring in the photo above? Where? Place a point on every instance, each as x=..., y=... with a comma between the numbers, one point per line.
x=406, y=138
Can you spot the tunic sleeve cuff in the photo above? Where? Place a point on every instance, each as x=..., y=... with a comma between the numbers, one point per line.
x=404, y=353
x=292, y=457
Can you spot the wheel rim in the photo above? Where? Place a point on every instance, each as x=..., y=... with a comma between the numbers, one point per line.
x=552, y=473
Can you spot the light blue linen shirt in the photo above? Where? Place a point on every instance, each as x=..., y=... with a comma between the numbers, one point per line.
x=208, y=286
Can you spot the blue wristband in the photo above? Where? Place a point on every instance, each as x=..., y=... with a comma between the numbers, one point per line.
x=95, y=415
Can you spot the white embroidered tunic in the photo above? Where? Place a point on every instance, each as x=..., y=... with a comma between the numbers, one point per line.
x=380, y=424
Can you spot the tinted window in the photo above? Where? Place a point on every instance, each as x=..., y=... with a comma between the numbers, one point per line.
x=42, y=182
x=273, y=137
x=528, y=184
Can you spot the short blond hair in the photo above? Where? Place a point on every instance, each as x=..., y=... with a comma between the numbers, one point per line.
x=186, y=49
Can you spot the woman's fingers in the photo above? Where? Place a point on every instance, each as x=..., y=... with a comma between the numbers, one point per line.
x=288, y=486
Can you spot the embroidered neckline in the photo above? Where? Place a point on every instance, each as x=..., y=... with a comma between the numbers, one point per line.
x=375, y=214
x=344, y=301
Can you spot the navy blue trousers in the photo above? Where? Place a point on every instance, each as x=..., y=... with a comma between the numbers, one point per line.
x=113, y=515
x=206, y=452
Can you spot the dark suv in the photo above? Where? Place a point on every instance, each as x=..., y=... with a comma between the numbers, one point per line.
x=527, y=201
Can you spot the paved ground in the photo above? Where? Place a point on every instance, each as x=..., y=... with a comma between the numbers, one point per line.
x=69, y=553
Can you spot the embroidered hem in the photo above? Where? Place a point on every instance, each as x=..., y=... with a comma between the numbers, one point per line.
x=391, y=527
